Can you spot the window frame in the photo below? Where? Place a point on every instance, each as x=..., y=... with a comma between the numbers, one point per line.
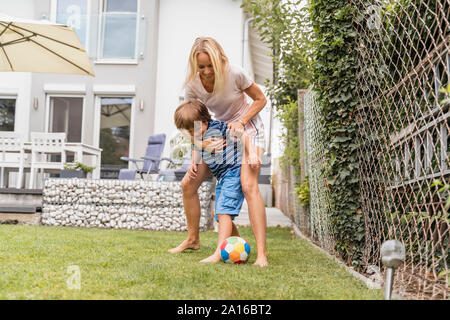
x=48, y=97
x=100, y=43
x=53, y=13
x=97, y=116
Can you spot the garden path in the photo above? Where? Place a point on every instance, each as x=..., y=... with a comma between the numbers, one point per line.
x=274, y=217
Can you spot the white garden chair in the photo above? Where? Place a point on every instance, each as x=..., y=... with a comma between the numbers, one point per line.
x=43, y=145
x=12, y=156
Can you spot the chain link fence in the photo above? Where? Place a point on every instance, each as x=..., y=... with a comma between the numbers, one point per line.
x=320, y=204
x=404, y=58
x=404, y=122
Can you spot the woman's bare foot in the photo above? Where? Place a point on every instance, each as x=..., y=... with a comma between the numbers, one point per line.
x=186, y=245
x=261, y=262
x=212, y=259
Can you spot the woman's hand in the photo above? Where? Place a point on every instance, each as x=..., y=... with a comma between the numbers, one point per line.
x=236, y=129
x=253, y=160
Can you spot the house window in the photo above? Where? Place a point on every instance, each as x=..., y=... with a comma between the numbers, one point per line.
x=7, y=113
x=74, y=13
x=119, y=29
x=66, y=115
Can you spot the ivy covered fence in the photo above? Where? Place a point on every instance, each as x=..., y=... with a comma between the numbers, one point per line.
x=376, y=128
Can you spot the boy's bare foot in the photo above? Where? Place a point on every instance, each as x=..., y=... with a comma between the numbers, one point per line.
x=212, y=259
x=186, y=245
x=261, y=262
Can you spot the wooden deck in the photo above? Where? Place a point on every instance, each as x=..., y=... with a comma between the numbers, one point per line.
x=20, y=206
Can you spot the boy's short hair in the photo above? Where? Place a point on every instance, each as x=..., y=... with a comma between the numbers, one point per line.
x=189, y=112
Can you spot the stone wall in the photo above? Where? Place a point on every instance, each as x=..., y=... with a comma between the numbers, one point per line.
x=120, y=204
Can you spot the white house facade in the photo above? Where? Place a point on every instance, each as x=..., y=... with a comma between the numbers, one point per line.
x=139, y=52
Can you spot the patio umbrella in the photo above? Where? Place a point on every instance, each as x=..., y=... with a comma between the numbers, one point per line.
x=41, y=46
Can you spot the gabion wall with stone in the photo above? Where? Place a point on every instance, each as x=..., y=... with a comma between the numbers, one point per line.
x=120, y=204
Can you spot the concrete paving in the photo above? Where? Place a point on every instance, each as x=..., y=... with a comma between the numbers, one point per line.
x=274, y=217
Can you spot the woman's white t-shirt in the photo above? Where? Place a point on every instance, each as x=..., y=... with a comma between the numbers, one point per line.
x=231, y=104
x=228, y=105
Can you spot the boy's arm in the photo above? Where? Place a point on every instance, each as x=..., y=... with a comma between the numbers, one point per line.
x=197, y=144
x=210, y=145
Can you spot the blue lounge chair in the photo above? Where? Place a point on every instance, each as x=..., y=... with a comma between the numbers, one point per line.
x=127, y=174
x=175, y=174
x=151, y=161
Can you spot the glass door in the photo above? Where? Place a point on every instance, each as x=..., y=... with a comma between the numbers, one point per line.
x=115, y=123
x=66, y=115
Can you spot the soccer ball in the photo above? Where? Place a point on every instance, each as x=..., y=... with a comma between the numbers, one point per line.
x=235, y=250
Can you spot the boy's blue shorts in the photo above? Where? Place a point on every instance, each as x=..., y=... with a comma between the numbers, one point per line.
x=229, y=195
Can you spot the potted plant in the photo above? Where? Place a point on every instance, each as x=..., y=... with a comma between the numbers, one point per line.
x=75, y=170
x=180, y=148
x=181, y=154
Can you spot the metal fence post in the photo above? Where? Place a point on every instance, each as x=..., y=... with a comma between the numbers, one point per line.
x=302, y=211
x=392, y=256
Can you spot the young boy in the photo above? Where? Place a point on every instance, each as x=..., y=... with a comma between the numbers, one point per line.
x=193, y=119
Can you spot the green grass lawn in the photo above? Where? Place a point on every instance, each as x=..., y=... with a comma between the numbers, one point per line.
x=125, y=264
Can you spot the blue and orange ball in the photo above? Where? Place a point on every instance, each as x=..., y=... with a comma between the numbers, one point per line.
x=235, y=250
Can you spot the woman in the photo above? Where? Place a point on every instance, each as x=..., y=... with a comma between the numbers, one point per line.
x=222, y=88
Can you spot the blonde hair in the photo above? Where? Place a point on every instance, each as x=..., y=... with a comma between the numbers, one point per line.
x=189, y=112
x=218, y=58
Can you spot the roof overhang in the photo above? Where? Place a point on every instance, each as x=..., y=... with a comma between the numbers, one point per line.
x=260, y=55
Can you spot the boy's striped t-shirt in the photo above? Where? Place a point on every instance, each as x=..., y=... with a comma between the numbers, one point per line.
x=230, y=158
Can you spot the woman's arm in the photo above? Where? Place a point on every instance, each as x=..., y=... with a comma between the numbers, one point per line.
x=259, y=102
